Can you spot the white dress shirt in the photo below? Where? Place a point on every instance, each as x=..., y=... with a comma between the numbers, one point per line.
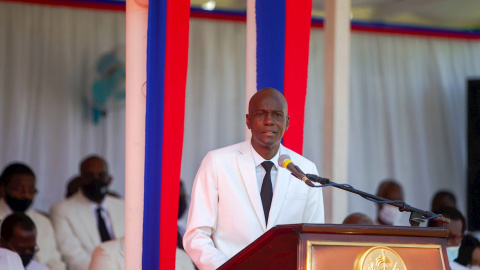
x=260, y=171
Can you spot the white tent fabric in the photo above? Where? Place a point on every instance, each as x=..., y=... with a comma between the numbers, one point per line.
x=47, y=67
x=407, y=116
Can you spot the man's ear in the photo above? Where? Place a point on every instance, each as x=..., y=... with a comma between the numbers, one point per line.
x=247, y=121
x=288, y=122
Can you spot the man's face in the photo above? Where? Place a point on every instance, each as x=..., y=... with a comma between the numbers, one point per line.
x=21, y=186
x=23, y=241
x=455, y=233
x=268, y=120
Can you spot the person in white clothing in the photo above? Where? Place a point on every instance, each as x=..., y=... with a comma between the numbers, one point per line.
x=17, y=192
x=240, y=191
x=10, y=260
x=18, y=233
x=89, y=217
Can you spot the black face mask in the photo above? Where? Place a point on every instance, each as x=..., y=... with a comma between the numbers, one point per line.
x=182, y=206
x=95, y=190
x=17, y=205
x=26, y=258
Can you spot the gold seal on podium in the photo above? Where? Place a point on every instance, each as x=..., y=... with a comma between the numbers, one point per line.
x=380, y=258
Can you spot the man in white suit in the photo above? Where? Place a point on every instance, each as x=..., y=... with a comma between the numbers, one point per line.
x=229, y=208
x=17, y=192
x=89, y=217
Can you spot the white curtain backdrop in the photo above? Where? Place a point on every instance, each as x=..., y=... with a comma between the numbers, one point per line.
x=47, y=66
x=407, y=115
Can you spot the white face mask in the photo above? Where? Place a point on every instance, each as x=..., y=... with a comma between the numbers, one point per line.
x=389, y=214
x=452, y=253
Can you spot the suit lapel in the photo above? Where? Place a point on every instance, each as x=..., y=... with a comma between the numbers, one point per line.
x=86, y=218
x=279, y=193
x=249, y=177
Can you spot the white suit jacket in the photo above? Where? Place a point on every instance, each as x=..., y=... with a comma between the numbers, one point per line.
x=226, y=212
x=76, y=227
x=48, y=254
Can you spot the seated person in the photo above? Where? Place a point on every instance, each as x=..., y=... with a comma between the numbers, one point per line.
x=443, y=198
x=469, y=252
x=358, y=219
x=17, y=190
x=455, y=229
x=388, y=214
x=240, y=191
x=89, y=217
x=10, y=260
x=18, y=233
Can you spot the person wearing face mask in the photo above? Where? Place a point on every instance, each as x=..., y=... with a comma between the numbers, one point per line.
x=89, y=217
x=388, y=214
x=455, y=228
x=17, y=191
x=18, y=233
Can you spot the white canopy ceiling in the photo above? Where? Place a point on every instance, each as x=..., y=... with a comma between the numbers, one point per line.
x=441, y=13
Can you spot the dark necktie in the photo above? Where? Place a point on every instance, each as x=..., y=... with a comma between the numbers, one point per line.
x=102, y=227
x=267, y=190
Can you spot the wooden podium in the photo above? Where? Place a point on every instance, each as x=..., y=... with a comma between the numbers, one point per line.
x=335, y=246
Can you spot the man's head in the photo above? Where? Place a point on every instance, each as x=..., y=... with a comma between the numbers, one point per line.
x=358, y=219
x=268, y=120
x=443, y=198
x=17, y=186
x=469, y=252
x=455, y=229
x=94, y=178
x=18, y=233
x=390, y=190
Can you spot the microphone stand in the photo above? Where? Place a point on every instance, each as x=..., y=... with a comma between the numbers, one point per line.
x=416, y=215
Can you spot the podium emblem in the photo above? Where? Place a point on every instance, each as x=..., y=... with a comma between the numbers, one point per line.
x=380, y=258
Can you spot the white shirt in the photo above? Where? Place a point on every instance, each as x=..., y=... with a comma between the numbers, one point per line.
x=10, y=260
x=260, y=171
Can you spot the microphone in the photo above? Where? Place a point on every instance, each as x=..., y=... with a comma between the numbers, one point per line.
x=284, y=161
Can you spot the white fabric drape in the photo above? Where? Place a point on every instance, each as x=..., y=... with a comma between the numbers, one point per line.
x=47, y=66
x=407, y=115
